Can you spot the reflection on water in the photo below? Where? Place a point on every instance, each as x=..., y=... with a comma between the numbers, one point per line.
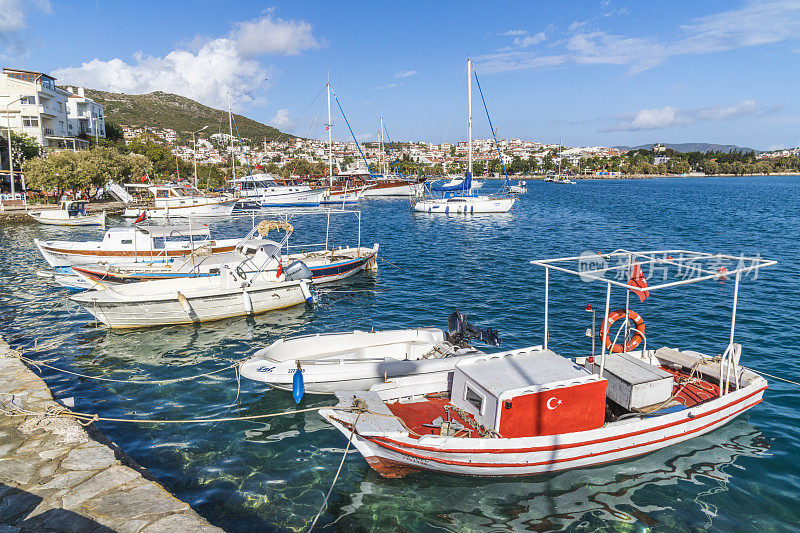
x=273, y=474
x=587, y=499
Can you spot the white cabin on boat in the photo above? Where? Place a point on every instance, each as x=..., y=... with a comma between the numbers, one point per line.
x=528, y=394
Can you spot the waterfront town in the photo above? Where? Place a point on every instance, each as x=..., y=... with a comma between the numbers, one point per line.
x=560, y=296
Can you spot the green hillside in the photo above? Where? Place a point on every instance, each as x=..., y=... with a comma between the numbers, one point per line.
x=165, y=110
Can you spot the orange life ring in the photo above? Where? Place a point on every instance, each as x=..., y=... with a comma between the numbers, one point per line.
x=636, y=338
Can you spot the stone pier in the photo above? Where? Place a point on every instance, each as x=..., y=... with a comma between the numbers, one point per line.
x=56, y=475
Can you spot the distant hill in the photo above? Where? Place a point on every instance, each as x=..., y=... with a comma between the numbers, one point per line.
x=166, y=110
x=693, y=147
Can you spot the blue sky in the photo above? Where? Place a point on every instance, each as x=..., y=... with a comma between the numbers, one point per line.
x=600, y=72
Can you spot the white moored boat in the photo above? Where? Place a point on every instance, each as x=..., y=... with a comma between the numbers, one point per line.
x=459, y=196
x=360, y=359
x=520, y=188
x=69, y=213
x=252, y=284
x=267, y=192
x=528, y=412
x=142, y=242
x=181, y=200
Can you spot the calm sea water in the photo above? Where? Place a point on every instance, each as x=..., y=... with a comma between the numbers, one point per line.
x=247, y=476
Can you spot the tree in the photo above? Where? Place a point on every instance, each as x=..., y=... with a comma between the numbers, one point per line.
x=113, y=132
x=85, y=169
x=24, y=147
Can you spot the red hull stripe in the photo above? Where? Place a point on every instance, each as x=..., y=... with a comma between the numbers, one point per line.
x=554, y=461
x=563, y=446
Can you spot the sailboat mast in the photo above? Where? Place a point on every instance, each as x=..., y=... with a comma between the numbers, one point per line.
x=380, y=148
x=330, y=138
x=469, y=110
x=230, y=125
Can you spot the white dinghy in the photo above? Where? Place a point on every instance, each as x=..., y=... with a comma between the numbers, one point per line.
x=69, y=213
x=360, y=359
x=528, y=412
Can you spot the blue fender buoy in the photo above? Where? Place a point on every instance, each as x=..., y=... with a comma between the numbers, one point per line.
x=297, y=384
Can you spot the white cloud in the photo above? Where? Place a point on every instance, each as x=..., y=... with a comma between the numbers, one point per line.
x=529, y=40
x=281, y=119
x=671, y=117
x=12, y=23
x=406, y=74
x=756, y=23
x=387, y=86
x=513, y=33
x=271, y=35
x=214, y=68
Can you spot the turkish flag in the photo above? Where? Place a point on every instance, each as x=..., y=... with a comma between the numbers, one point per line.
x=280, y=270
x=144, y=178
x=637, y=280
x=259, y=167
x=141, y=218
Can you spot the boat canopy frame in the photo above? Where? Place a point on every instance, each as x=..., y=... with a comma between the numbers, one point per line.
x=699, y=264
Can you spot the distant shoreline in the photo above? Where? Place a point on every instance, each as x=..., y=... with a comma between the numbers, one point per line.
x=641, y=176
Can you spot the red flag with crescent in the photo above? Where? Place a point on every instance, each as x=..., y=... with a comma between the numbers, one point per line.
x=638, y=280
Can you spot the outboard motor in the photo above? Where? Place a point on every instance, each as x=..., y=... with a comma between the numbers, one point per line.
x=297, y=270
x=462, y=331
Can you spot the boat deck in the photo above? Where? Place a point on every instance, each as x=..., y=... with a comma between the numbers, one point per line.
x=419, y=416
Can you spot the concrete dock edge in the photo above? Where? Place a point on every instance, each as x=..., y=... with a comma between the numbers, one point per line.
x=56, y=475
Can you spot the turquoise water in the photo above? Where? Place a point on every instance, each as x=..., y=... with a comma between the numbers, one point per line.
x=273, y=475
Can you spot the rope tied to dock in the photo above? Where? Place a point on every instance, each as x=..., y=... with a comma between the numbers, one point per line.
x=37, y=364
x=86, y=419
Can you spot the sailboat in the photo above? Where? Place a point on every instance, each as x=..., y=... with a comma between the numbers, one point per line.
x=461, y=197
x=559, y=177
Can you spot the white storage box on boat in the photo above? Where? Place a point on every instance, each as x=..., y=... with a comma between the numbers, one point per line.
x=526, y=394
x=633, y=383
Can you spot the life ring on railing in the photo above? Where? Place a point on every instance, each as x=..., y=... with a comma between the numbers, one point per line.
x=636, y=338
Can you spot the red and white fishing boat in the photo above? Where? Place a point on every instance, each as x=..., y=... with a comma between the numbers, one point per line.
x=528, y=411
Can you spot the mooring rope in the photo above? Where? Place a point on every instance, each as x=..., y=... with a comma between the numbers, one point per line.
x=38, y=364
x=338, y=471
x=88, y=418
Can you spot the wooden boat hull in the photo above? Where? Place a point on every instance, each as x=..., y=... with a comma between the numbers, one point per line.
x=64, y=254
x=122, y=312
x=401, y=454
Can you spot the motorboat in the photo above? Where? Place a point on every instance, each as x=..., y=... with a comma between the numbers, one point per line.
x=520, y=188
x=69, y=213
x=138, y=243
x=265, y=191
x=250, y=284
x=359, y=359
x=459, y=196
x=526, y=411
x=180, y=200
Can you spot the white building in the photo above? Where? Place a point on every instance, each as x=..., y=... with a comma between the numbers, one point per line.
x=84, y=115
x=30, y=103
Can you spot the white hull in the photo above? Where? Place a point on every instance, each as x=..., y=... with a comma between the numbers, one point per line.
x=222, y=208
x=465, y=205
x=353, y=361
x=409, y=189
x=296, y=198
x=53, y=218
x=66, y=253
x=204, y=301
x=387, y=450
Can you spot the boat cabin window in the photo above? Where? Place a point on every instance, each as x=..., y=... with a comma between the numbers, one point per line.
x=474, y=398
x=162, y=193
x=127, y=241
